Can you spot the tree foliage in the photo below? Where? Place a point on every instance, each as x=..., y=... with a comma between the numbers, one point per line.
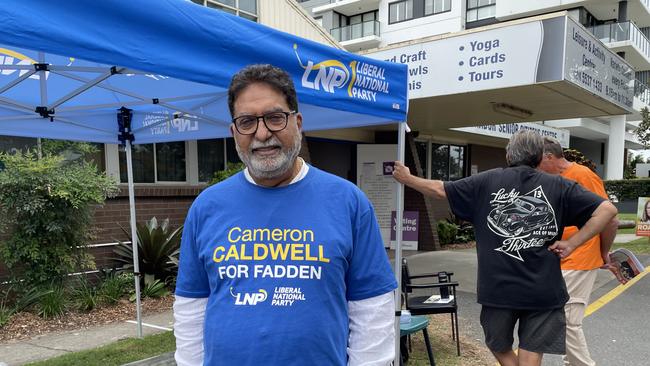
x=643, y=130
x=46, y=207
x=232, y=169
x=629, y=170
x=578, y=157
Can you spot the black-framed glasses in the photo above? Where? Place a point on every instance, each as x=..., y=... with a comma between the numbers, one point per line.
x=274, y=122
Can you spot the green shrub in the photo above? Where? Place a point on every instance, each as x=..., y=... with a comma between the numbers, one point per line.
x=628, y=189
x=13, y=302
x=158, y=249
x=114, y=286
x=447, y=232
x=84, y=295
x=53, y=304
x=153, y=288
x=6, y=309
x=465, y=233
x=465, y=230
x=231, y=169
x=45, y=206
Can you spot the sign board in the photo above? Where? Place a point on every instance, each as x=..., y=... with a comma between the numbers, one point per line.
x=643, y=217
x=375, y=179
x=410, y=225
x=553, y=49
x=507, y=130
x=591, y=65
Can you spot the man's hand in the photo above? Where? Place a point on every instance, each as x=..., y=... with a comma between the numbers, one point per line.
x=562, y=248
x=614, y=269
x=429, y=188
x=401, y=173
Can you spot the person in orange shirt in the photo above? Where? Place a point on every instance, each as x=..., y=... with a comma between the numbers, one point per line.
x=580, y=267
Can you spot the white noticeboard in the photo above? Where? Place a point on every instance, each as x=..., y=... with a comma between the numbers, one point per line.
x=374, y=178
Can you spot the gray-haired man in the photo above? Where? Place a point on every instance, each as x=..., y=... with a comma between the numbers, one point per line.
x=518, y=214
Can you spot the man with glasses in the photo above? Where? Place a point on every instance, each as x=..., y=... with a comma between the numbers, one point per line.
x=282, y=264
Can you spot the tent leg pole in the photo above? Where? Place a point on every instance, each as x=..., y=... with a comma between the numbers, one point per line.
x=399, y=207
x=134, y=237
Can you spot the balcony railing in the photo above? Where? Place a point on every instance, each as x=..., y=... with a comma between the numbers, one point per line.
x=642, y=91
x=620, y=32
x=355, y=31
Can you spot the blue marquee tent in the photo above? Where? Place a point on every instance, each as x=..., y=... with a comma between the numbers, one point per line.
x=124, y=71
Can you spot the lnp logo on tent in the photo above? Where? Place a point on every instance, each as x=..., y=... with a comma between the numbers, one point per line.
x=13, y=58
x=165, y=123
x=249, y=298
x=361, y=79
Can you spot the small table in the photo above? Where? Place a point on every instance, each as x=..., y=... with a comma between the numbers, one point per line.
x=417, y=323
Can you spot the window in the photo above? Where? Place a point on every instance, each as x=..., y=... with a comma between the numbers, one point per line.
x=162, y=162
x=480, y=9
x=410, y=9
x=244, y=8
x=436, y=6
x=210, y=155
x=400, y=11
x=456, y=162
x=319, y=20
x=355, y=26
x=447, y=162
x=143, y=164
x=440, y=162
x=11, y=144
x=170, y=162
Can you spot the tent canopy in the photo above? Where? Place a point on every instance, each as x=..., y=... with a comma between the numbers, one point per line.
x=67, y=66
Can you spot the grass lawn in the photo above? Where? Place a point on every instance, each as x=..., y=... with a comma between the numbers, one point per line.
x=638, y=246
x=627, y=216
x=129, y=350
x=118, y=353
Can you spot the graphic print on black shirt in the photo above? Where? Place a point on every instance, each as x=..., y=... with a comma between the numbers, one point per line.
x=525, y=221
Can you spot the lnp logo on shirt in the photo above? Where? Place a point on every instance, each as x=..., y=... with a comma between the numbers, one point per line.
x=249, y=298
x=526, y=221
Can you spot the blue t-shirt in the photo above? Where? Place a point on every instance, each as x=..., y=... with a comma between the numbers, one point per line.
x=278, y=266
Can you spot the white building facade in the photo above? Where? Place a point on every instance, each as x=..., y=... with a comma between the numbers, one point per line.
x=408, y=31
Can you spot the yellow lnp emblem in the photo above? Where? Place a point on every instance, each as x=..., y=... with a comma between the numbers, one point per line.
x=265, y=294
x=353, y=66
x=17, y=55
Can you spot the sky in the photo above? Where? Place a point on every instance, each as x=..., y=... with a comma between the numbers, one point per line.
x=645, y=153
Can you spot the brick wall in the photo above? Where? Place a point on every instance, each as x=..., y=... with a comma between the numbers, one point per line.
x=162, y=202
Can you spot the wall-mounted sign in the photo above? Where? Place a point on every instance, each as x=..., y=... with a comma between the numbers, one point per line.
x=553, y=49
x=507, y=130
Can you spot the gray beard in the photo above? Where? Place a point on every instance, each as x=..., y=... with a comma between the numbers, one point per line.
x=269, y=168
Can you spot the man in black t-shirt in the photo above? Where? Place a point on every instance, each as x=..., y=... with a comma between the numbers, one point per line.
x=518, y=215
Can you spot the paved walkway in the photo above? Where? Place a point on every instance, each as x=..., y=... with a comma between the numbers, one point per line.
x=56, y=344
x=626, y=238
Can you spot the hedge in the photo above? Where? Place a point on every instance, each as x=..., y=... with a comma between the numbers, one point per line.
x=628, y=189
